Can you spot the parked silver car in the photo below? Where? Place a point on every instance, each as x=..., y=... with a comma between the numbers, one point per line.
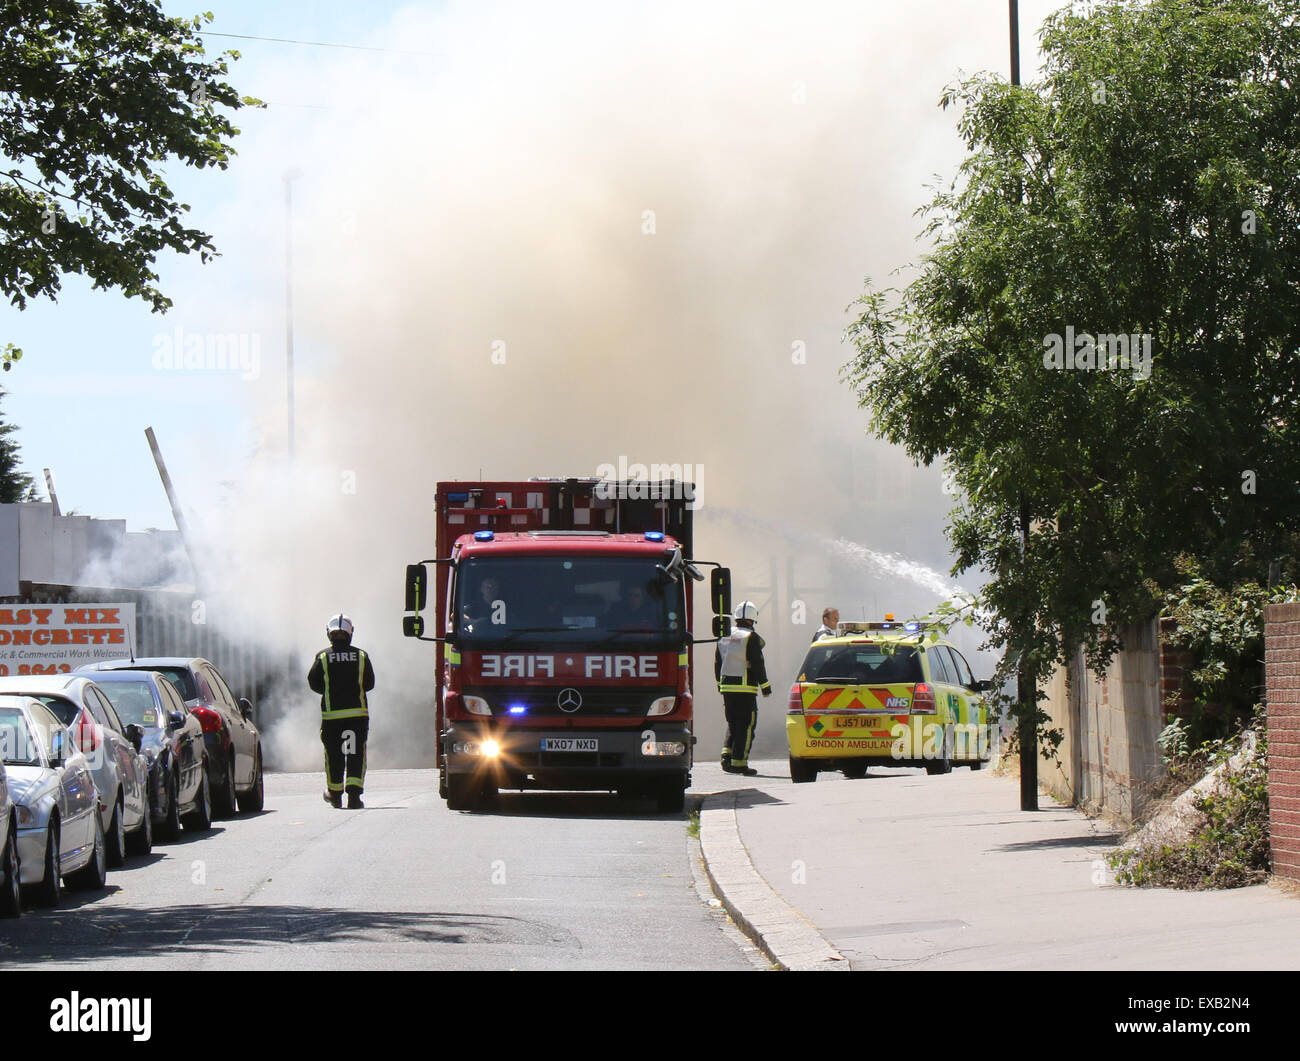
x=121, y=771
x=60, y=835
x=233, y=741
x=11, y=895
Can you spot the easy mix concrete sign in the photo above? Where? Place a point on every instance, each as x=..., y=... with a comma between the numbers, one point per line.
x=58, y=638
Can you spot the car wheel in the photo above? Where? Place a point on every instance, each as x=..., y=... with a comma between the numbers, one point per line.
x=50, y=890
x=252, y=801
x=115, y=841
x=11, y=899
x=201, y=817
x=95, y=874
x=802, y=771
x=140, y=842
x=223, y=800
x=171, y=826
x=943, y=765
x=856, y=771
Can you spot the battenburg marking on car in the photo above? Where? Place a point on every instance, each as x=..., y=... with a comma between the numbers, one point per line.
x=540, y=665
x=816, y=699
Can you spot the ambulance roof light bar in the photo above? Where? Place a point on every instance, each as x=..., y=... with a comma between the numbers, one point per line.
x=864, y=628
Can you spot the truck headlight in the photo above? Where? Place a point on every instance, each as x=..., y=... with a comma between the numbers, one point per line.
x=663, y=747
x=663, y=706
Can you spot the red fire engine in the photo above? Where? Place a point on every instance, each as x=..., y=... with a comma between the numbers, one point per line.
x=563, y=622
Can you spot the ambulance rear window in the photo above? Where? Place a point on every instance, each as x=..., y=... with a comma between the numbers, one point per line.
x=865, y=663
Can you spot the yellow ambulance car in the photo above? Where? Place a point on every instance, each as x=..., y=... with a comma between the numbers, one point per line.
x=882, y=693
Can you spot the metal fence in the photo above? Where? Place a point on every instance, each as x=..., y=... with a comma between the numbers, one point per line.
x=165, y=626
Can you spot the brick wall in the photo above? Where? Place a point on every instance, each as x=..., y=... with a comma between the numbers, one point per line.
x=1282, y=679
x=1174, y=662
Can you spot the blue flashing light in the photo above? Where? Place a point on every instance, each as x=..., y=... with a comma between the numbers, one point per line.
x=654, y=536
x=483, y=536
x=912, y=626
x=518, y=709
x=458, y=498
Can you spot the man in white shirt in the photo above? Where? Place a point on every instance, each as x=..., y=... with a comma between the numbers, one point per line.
x=830, y=617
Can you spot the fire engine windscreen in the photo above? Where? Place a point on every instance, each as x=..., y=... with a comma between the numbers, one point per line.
x=862, y=664
x=556, y=600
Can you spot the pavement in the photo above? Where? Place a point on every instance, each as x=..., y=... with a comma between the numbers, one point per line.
x=900, y=870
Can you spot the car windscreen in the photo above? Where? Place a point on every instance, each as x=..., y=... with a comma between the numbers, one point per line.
x=181, y=678
x=133, y=702
x=16, y=744
x=576, y=601
x=863, y=663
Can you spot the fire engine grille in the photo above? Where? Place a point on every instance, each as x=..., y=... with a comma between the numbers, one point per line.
x=610, y=701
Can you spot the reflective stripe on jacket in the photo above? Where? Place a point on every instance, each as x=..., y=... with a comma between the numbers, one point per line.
x=342, y=675
x=738, y=663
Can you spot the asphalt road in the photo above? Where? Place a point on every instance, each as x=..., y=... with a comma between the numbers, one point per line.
x=548, y=881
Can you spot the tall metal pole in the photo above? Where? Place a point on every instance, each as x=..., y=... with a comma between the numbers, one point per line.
x=1015, y=41
x=172, y=500
x=1026, y=692
x=49, y=488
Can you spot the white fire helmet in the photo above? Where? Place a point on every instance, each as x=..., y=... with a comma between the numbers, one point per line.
x=338, y=623
x=746, y=610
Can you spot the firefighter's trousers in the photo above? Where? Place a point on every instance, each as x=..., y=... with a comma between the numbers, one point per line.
x=345, y=753
x=742, y=716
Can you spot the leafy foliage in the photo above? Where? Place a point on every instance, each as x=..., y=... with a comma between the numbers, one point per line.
x=14, y=486
x=1232, y=849
x=1224, y=630
x=96, y=97
x=1147, y=186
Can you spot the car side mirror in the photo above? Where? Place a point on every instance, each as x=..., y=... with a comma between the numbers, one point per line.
x=981, y=686
x=135, y=735
x=176, y=719
x=246, y=708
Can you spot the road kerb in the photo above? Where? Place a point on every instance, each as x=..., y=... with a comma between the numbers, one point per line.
x=776, y=927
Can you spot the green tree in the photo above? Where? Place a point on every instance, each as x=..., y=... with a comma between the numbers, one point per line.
x=96, y=98
x=14, y=486
x=1149, y=185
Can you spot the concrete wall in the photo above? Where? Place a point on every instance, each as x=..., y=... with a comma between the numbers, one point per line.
x=1282, y=681
x=37, y=546
x=1109, y=760
x=9, y=546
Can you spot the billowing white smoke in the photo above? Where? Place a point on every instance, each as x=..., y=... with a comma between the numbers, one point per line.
x=583, y=232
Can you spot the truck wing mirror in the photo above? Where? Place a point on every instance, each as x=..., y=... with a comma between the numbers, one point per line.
x=417, y=587
x=412, y=626
x=720, y=593
x=721, y=625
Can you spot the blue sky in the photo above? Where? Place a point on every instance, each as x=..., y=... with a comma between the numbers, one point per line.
x=87, y=388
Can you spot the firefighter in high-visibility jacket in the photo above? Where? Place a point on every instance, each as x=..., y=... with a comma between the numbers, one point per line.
x=342, y=675
x=741, y=674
